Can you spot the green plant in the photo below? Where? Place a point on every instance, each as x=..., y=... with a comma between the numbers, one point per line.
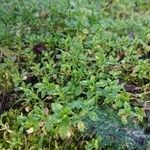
x=63, y=61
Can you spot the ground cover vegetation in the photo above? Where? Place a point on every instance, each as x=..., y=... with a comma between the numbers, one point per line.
x=74, y=74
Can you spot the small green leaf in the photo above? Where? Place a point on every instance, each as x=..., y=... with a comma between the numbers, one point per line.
x=124, y=119
x=118, y=103
x=56, y=107
x=76, y=104
x=93, y=115
x=62, y=131
x=127, y=107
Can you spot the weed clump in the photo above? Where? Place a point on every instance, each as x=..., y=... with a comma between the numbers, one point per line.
x=74, y=74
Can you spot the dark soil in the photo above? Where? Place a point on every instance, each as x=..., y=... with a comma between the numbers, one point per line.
x=8, y=100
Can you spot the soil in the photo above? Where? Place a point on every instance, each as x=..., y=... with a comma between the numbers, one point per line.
x=8, y=100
